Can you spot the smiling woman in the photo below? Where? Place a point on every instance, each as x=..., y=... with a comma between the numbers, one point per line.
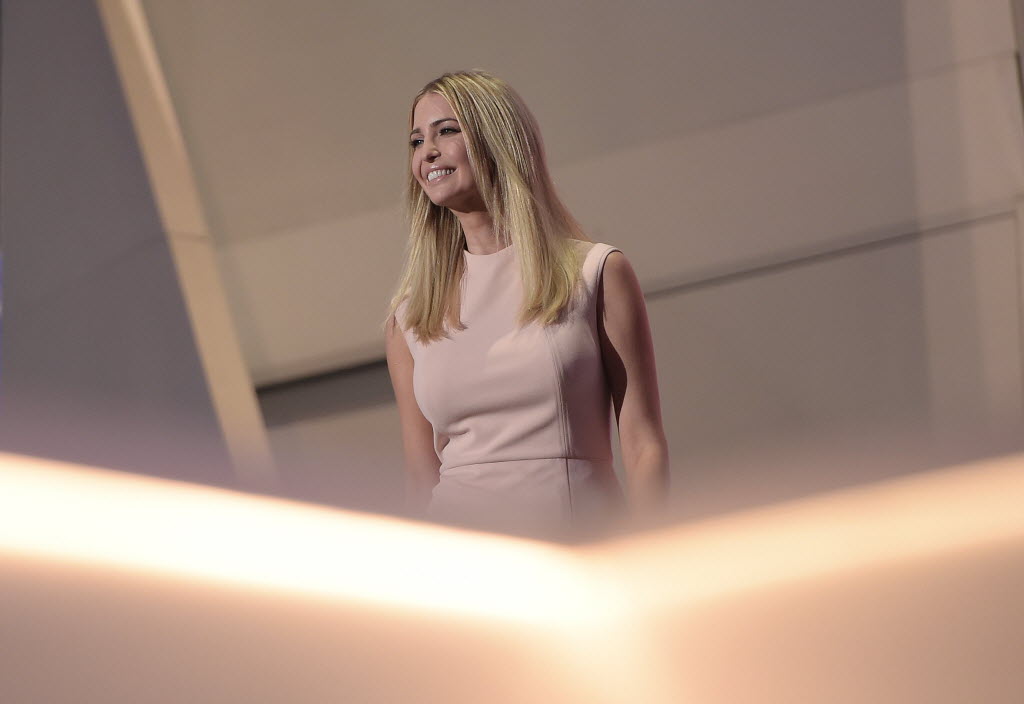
x=511, y=334
x=440, y=161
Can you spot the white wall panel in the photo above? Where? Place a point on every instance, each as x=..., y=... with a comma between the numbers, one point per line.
x=865, y=166
x=316, y=298
x=942, y=33
x=972, y=316
x=842, y=369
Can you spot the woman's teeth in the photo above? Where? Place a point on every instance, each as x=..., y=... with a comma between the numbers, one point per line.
x=434, y=175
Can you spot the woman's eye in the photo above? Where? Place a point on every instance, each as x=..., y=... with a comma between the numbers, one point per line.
x=445, y=130
x=415, y=143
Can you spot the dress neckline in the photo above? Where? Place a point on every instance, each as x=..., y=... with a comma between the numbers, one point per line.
x=501, y=254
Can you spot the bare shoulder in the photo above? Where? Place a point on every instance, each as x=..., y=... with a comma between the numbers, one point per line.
x=391, y=326
x=394, y=326
x=395, y=345
x=618, y=279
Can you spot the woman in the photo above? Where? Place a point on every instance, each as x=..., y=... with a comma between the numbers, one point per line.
x=511, y=333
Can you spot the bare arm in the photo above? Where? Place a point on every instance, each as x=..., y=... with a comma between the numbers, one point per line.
x=421, y=461
x=628, y=354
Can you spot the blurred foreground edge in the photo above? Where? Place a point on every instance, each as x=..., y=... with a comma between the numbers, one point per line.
x=121, y=588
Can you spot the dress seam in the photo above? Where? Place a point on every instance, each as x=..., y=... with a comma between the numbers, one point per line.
x=556, y=363
x=529, y=459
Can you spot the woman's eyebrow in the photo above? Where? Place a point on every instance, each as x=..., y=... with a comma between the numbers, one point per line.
x=435, y=123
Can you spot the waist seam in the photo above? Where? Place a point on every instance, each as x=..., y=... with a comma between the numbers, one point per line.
x=560, y=458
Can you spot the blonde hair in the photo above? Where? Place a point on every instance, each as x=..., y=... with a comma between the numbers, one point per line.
x=504, y=147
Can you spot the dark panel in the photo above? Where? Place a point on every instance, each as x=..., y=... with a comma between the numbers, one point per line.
x=99, y=361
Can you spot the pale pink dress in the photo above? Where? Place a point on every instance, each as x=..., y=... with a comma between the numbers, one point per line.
x=521, y=415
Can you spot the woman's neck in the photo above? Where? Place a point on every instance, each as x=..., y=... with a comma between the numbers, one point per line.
x=479, y=230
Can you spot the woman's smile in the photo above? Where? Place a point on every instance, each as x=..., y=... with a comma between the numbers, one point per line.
x=438, y=174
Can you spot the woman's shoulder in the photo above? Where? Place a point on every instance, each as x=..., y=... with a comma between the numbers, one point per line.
x=587, y=249
x=398, y=321
x=594, y=258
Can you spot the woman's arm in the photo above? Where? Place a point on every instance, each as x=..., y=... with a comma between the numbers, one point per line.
x=628, y=354
x=421, y=461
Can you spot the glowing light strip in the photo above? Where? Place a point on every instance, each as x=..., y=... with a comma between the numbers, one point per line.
x=91, y=516
x=921, y=516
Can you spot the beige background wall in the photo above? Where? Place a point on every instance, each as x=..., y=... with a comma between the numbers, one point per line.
x=820, y=200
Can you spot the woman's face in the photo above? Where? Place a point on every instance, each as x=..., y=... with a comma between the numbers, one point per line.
x=440, y=162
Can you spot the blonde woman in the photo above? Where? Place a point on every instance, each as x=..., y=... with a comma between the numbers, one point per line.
x=511, y=334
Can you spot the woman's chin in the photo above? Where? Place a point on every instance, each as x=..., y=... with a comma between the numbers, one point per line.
x=458, y=201
x=456, y=204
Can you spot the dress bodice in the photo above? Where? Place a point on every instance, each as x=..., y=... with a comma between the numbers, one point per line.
x=521, y=413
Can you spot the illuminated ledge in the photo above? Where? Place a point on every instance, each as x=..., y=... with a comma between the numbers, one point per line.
x=121, y=588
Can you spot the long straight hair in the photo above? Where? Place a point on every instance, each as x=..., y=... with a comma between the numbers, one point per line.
x=504, y=147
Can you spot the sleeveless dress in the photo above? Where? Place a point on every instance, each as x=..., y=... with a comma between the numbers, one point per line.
x=521, y=415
